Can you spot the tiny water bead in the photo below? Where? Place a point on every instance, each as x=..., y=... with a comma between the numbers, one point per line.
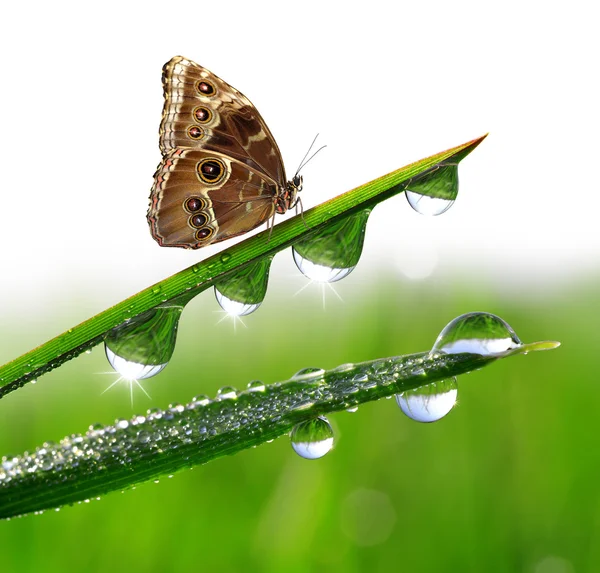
x=241, y=293
x=312, y=439
x=226, y=393
x=308, y=373
x=477, y=333
x=333, y=252
x=142, y=347
x=256, y=386
x=431, y=402
x=435, y=191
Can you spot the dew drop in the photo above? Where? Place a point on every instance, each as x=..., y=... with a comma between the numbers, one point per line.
x=256, y=386
x=478, y=333
x=233, y=307
x=431, y=206
x=132, y=370
x=225, y=257
x=352, y=409
x=201, y=400
x=142, y=347
x=242, y=292
x=308, y=373
x=196, y=268
x=317, y=272
x=431, y=402
x=226, y=393
x=156, y=289
x=434, y=192
x=312, y=439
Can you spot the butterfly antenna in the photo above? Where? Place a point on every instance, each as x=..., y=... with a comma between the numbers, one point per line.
x=305, y=162
x=306, y=155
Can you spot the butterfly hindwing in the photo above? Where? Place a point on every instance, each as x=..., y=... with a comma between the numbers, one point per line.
x=201, y=197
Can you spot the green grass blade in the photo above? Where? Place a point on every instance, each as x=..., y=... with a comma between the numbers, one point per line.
x=116, y=457
x=186, y=284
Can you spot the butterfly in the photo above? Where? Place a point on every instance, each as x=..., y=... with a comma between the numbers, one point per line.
x=221, y=174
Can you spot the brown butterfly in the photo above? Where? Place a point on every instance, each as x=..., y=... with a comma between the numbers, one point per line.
x=221, y=174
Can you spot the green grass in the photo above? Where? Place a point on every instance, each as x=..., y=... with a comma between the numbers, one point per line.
x=504, y=481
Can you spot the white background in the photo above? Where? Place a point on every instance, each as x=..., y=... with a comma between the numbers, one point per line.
x=383, y=83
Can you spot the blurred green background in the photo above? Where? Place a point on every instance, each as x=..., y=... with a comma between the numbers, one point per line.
x=505, y=482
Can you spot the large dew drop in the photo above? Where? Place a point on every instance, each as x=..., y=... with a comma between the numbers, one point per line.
x=332, y=253
x=478, y=333
x=242, y=293
x=312, y=439
x=431, y=402
x=234, y=307
x=132, y=370
x=143, y=346
x=434, y=192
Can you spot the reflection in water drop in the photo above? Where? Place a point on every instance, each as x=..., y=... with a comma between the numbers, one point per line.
x=242, y=293
x=425, y=205
x=333, y=252
x=312, y=439
x=435, y=191
x=319, y=273
x=431, y=402
x=142, y=347
x=132, y=370
x=233, y=307
x=478, y=333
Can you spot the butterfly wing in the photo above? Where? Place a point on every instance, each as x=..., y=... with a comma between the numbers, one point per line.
x=204, y=112
x=202, y=196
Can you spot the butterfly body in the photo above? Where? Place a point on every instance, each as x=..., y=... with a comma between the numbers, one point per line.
x=222, y=173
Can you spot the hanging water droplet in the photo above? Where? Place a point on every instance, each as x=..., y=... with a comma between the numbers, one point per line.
x=435, y=191
x=242, y=293
x=478, y=333
x=233, y=307
x=256, y=386
x=308, y=373
x=226, y=393
x=143, y=346
x=332, y=253
x=312, y=439
x=431, y=402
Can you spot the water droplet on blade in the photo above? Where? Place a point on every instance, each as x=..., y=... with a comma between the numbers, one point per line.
x=333, y=252
x=256, y=386
x=308, y=373
x=226, y=393
x=312, y=439
x=477, y=333
x=241, y=293
x=233, y=307
x=319, y=273
x=431, y=402
x=434, y=192
x=132, y=370
x=142, y=347
x=431, y=206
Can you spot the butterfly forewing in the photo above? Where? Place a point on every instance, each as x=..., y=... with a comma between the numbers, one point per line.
x=221, y=172
x=203, y=111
